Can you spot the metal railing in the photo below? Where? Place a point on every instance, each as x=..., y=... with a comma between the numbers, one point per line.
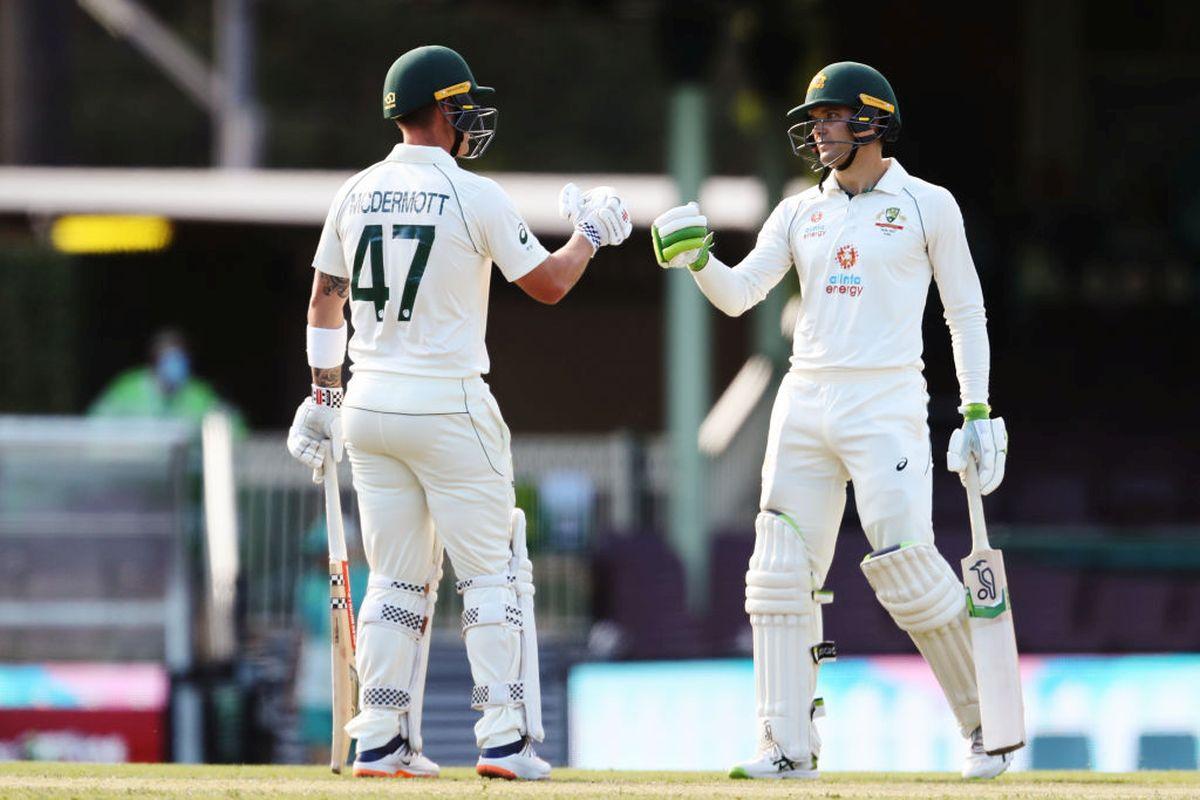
x=281, y=525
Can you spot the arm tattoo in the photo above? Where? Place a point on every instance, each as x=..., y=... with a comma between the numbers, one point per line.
x=331, y=284
x=327, y=377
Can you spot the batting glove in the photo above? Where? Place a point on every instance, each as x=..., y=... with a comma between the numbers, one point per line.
x=598, y=215
x=982, y=439
x=681, y=238
x=316, y=428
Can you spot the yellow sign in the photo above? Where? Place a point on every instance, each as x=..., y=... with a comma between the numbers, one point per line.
x=450, y=91
x=875, y=102
x=818, y=82
x=95, y=233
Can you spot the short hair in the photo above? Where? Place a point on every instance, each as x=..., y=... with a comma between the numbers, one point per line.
x=421, y=117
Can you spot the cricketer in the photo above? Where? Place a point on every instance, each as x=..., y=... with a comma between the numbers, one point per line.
x=410, y=242
x=865, y=241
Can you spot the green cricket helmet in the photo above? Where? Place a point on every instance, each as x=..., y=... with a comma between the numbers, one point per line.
x=864, y=90
x=437, y=74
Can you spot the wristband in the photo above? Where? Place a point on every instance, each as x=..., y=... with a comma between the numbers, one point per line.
x=328, y=395
x=326, y=347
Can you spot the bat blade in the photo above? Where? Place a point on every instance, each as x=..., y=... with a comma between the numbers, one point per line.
x=994, y=646
x=345, y=676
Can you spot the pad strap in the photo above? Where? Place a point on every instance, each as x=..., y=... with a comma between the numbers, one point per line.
x=491, y=614
x=493, y=695
x=384, y=582
x=389, y=697
x=485, y=581
x=410, y=622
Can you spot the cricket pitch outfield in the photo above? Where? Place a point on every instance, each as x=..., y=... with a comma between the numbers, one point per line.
x=48, y=780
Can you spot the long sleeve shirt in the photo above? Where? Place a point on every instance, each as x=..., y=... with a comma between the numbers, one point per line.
x=865, y=264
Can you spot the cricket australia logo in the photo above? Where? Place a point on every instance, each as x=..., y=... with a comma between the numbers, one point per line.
x=890, y=220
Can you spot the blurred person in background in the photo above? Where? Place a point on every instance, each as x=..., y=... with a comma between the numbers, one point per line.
x=163, y=389
x=410, y=242
x=866, y=241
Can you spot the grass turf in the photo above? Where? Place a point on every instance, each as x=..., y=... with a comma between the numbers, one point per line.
x=46, y=780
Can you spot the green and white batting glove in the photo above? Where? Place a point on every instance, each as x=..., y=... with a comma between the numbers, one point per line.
x=983, y=439
x=681, y=238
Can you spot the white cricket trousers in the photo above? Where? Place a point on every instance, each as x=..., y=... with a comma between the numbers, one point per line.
x=432, y=466
x=866, y=426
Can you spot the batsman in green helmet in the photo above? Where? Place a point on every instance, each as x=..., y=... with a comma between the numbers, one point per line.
x=436, y=78
x=866, y=242
x=409, y=244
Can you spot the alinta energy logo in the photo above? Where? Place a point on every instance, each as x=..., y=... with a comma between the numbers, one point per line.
x=846, y=283
x=814, y=229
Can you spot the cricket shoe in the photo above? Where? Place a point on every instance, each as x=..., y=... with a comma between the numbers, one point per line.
x=394, y=760
x=772, y=764
x=514, y=762
x=979, y=764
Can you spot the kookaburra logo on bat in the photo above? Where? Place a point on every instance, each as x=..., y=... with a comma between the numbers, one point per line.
x=987, y=580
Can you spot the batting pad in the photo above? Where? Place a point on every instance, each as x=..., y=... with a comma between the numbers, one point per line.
x=782, y=601
x=492, y=633
x=391, y=625
x=917, y=587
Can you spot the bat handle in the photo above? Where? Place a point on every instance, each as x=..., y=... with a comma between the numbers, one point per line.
x=333, y=510
x=979, y=535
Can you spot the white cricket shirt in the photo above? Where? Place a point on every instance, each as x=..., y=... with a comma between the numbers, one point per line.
x=865, y=265
x=417, y=235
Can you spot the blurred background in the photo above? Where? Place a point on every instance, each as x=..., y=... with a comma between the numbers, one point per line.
x=164, y=171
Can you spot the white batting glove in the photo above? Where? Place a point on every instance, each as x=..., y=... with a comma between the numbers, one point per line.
x=316, y=428
x=986, y=442
x=598, y=215
x=681, y=238
x=570, y=203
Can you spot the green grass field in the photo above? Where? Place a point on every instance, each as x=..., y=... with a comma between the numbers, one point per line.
x=43, y=780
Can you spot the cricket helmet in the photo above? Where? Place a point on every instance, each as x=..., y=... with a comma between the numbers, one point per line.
x=437, y=74
x=864, y=90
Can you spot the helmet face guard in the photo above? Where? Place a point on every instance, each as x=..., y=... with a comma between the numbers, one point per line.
x=866, y=125
x=475, y=123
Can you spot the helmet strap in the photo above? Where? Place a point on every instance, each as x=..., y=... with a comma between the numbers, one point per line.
x=821, y=181
x=848, y=160
x=458, y=140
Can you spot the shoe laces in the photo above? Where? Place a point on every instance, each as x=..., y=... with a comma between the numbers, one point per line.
x=779, y=759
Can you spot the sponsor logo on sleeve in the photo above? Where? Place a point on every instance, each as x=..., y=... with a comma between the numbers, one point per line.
x=814, y=229
x=522, y=233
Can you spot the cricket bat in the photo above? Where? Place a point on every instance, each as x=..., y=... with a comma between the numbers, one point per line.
x=341, y=622
x=993, y=639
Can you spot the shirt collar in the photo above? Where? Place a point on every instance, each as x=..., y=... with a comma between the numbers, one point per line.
x=892, y=182
x=420, y=154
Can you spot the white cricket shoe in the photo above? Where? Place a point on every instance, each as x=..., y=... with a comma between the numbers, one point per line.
x=394, y=760
x=516, y=761
x=772, y=764
x=978, y=764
